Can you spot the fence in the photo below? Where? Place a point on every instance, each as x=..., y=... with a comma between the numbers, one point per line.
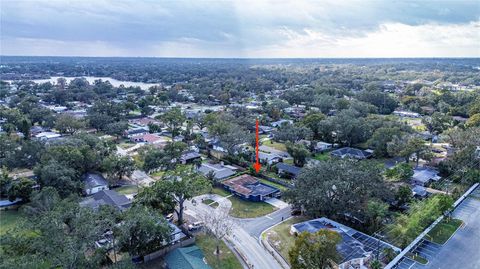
x=159, y=253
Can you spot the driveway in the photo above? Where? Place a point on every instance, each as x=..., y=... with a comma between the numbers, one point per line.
x=245, y=234
x=276, y=203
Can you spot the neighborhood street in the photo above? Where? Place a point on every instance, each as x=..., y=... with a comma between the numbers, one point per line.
x=246, y=232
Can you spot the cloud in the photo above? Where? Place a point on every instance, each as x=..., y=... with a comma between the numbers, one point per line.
x=242, y=28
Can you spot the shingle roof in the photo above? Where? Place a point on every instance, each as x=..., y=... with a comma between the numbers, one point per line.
x=351, y=153
x=107, y=197
x=219, y=171
x=92, y=180
x=289, y=168
x=186, y=258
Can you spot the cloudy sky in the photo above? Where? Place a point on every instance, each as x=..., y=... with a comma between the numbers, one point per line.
x=297, y=28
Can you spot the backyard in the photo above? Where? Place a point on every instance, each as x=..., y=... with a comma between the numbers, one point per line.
x=275, y=145
x=444, y=230
x=127, y=189
x=226, y=259
x=279, y=236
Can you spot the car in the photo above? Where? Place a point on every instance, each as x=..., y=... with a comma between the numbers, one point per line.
x=195, y=226
x=169, y=217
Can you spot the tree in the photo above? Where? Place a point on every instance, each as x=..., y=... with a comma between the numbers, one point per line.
x=401, y=171
x=174, y=118
x=21, y=188
x=312, y=121
x=143, y=231
x=336, y=188
x=315, y=250
x=182, y=184
x=292, y=133
x=409, y=146
x=68, y=124
x=375, y=212
x=119, y=166
x=403, y=195
x=437, y=123
x=116, y=128
x=64, y=179
x=298, y=152
x=219, y=224
x=473, y=121
x=380, y=139
x=385, y=103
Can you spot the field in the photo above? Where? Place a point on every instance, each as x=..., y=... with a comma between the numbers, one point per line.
x=226, y=259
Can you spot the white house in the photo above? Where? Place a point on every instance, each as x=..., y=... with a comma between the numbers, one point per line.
x=94, y=183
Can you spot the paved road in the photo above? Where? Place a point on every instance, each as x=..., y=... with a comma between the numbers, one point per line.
x=245, y=234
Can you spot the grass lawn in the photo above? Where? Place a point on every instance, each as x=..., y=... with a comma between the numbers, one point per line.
x=8, y=220
x=288, y=161
x=443, y=231
x=126, y=145
x=210, y=202
x=322, y=156
x=247, y=209
x=226, y=260
x=128, y=189
x=279, y=237
x=157, y=175
x=275, y=145
x=221, y=192
x=273, y=184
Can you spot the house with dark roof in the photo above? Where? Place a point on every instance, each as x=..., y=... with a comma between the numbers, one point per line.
x=189, y=157
x=135, y=131
x=288, y=170
x=94, y=183
x=107, y=197
x=186, y=258
x=219, y=170
x=269, y=158
x=424, y=175
x=250, y=188
x=355, y=248
x=352, y=153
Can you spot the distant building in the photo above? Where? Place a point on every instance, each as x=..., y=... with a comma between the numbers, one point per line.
x=353, y=153
x=280, y=122
x=94, y=183
x=250, y=188
x=189, y=157
x=48, y=136
x=269, y=158
x=406, y=114
x=135, y=132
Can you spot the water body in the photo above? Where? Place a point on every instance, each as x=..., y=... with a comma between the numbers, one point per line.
x=91, y=80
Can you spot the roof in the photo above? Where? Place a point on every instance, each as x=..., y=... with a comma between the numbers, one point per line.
x=136, y=131
x=186, y=258
x=351, y=153
x=424, y=174
x=148, y=138
x=107, y=197
x=268, y=156
x=92, y=180
x=190, y=155
x=289, y=168
x=354, y=244
x=219, y=171
x=419, y=190
x=248, y=185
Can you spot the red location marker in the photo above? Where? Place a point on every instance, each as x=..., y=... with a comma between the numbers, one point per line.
x=257, y=164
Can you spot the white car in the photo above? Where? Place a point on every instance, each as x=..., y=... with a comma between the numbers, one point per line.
x=195, y=226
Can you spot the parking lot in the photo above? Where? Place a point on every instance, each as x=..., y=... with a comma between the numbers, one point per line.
x=462, y=250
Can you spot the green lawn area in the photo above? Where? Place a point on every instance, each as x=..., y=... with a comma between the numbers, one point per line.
x=247, y=209
x=220, y=191
x=128, y=189
x=273, y=184
x=8, y=220
x=322, y=156
x=157, y=175
x=444, y=230
x=226, y=259
x=279, y=237
x=210, y=202
x=275, y=145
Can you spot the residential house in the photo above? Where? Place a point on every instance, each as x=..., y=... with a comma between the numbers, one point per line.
x=186, y=258
x=419, y=191
x=48, y=136
x=353, y=153
x=288, y=170
x=190, y=157
x=280, y=122
x=262, y=129
x=94, y=183
x=107, y=197
x=406, y=114
x=150, y=139
x=135, y=131
x=355, y=248
x=269, y=158
x=219, y=170
x=422, y=176
x=250, y=188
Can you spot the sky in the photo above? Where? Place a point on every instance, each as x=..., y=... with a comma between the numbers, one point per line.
x=243, y=28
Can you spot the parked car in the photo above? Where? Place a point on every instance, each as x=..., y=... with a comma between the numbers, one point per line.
x=169, y=217
x=195, y=226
